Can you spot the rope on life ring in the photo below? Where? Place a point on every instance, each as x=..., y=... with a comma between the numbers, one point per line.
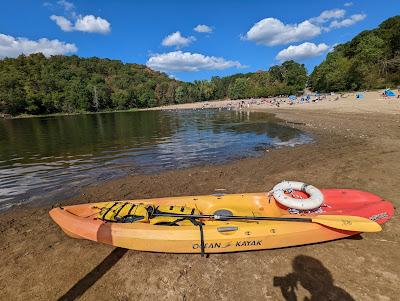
x=315, y=199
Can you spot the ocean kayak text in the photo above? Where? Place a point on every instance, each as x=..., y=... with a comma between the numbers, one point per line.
x=243, y=243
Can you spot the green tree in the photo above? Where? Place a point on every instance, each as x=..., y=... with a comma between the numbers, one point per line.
x=35, y=84
x=180, y=94
x=239, y=88
x=370, y=60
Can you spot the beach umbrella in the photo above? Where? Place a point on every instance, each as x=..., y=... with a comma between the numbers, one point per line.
x=389, y=92
x=360, y=95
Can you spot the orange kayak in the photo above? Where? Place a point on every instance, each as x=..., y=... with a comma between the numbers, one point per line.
x=106, y=222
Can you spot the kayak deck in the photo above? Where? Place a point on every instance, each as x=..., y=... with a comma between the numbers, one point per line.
x=80, y=221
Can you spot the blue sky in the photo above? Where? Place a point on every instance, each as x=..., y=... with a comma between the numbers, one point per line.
x=235, y=36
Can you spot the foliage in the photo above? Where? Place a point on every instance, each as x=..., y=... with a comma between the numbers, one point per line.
x=370, y=60
x=35, y=84
x=38, y=85
x=288, y=78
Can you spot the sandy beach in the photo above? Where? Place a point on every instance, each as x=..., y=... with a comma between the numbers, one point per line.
x=357, y=145
x=344, y=102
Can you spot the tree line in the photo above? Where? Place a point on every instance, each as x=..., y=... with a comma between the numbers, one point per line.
x=36, y=84
x=371, y=60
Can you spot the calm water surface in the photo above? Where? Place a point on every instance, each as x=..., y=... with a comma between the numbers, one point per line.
x=49, y=158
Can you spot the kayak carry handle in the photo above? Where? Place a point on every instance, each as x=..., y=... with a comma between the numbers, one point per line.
x=227, y=229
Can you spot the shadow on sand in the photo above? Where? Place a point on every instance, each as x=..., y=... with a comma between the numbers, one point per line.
x=311, y=274
x=355, y=237
x=86, y=282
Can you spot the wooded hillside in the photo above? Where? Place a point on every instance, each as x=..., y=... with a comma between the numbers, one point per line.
x=370, y=60
x=35, y=84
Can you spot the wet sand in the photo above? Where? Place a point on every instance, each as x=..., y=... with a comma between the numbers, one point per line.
x=354, y=148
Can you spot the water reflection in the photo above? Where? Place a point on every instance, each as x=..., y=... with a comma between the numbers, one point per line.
x=51, y=157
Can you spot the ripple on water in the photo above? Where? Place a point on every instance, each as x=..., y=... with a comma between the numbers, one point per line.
x=48, y=159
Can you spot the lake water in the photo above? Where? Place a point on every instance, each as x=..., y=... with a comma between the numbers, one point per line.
x=47, y=159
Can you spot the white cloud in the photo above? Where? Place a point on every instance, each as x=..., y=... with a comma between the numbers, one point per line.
x=92, y=23
x=347, y=4
x=12, y=47
x=176, y=39
x=63, y=23
x=189, y=62
x=87, y=23
x=302, y=51
x=271, y=32
x=203, y=28
x=348, y=21
x=327, y=15
x=66, y=5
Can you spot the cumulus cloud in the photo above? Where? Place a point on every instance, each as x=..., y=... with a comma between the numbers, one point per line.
x=62, y=22
x=189, y=62
x=347, y=4
x=348, y=21
x=327, y=15
x=302, y=51
x=12, y=47
x=92, y=23
x=88, y=23
x=76, y=22
x=176, y=39
x=203, y=28
x=271, y=32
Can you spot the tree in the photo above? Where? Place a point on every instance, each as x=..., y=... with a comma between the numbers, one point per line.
x=370, y=60
x=35, y=84
x=180, y=94
x=204, y=90
x=120, y=99
x=294, y=75
x=219, y=87
x=239, y=89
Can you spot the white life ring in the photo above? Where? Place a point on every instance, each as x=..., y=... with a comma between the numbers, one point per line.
x=314, y=201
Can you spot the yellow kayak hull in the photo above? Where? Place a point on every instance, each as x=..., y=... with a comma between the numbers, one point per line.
x=79, y=221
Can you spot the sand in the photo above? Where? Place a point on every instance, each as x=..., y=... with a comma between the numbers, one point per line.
x=357, y=146
x=345, y=102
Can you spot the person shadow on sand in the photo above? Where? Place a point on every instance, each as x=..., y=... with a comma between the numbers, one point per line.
x=311, y=274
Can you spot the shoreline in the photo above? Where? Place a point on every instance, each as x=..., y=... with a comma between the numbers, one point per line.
x=25, y=116
x=338, y=99
x=373, y=101
x=356, y=149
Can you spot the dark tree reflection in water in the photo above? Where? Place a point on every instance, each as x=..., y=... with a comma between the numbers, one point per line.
x=50, y=158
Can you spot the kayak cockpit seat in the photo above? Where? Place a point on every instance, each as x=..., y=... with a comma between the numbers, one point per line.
x=127, y=212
